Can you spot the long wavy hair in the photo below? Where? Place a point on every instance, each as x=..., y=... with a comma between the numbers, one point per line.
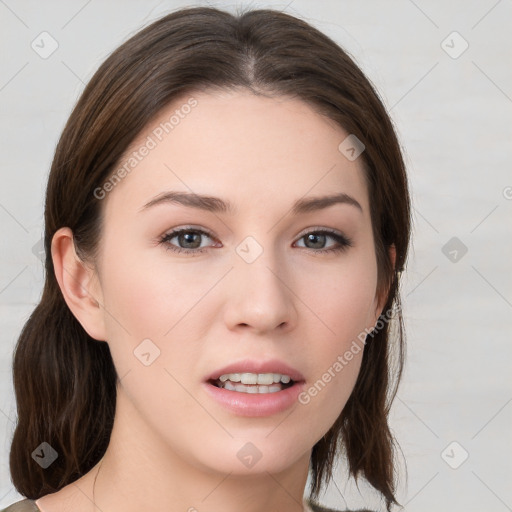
x=64, y=380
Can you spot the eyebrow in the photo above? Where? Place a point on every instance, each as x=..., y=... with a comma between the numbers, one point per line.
x=218, y=205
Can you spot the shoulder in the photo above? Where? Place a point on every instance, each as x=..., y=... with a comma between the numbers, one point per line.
x=25, y=505
x=315, y=507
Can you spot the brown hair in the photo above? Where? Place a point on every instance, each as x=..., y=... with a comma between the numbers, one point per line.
x=64, y=380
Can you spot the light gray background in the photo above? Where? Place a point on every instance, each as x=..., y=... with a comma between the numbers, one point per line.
x=453, y=116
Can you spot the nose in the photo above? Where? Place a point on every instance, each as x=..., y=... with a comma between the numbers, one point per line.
x=260, y=297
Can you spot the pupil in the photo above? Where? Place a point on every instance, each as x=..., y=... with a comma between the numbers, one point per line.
x=314, y=238
x=187, y=238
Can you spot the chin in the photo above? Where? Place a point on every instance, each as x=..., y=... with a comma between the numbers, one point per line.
x=255, y=454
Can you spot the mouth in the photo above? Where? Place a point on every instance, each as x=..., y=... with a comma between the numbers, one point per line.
x=253, y=383
x=255, y=377
x=255, y=389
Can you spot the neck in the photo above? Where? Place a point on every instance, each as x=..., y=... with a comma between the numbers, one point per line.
x=141, y=472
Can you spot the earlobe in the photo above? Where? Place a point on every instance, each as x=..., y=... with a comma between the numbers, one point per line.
x=392, y=255
x=78, y=284
x=381, y=302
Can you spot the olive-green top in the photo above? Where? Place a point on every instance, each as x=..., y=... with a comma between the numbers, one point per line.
x=27, y=505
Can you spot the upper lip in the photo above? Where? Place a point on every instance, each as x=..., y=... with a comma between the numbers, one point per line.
x=253, y=366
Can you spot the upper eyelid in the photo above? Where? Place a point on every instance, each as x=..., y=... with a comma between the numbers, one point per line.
x=179, y=229
x=317, y=229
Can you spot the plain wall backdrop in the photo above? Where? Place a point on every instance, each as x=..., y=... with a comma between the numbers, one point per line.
x=443, y=71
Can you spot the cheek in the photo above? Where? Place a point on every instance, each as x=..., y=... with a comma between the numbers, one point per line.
x=341, y=315
x=148, y=294
x=323, y=400
x=337, y=361
x=340, y=297
x=149, y=313
x=147, y=297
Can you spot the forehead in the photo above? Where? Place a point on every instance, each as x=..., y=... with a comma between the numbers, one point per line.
x=241, y=146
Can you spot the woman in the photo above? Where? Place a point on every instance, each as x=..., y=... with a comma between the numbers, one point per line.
x=226, y=219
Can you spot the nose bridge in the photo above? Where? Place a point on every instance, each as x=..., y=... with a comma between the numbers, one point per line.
x=259, y=296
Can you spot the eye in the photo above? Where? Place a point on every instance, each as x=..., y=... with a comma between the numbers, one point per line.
x=317, y=239
x=188, y=240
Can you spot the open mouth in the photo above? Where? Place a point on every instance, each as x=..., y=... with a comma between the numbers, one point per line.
x=255, y=394
x=240, y=387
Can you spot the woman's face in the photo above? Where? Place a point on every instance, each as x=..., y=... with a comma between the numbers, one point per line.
x=260, y=281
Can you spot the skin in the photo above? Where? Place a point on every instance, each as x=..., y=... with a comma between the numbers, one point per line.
x=172, y=447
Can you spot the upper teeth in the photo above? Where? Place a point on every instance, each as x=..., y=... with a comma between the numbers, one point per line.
x=255, y=378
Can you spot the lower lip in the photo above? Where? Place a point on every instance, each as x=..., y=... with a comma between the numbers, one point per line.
x=255, y=404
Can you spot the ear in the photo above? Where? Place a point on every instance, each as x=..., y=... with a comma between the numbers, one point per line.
x=79, y=284
x=381, y=301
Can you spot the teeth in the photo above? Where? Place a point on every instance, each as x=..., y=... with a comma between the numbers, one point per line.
x=252, y=389
x=265, y=379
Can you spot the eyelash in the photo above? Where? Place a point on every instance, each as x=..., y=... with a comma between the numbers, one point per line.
x=343, y=241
